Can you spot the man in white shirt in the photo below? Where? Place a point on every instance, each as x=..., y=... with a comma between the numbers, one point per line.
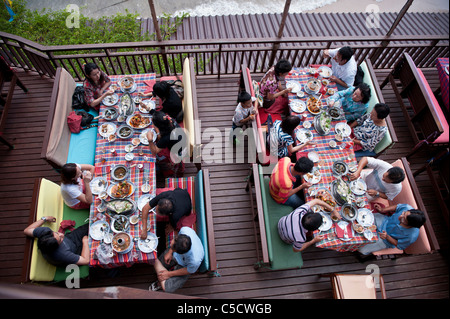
x=383, y=181
x=343, y=65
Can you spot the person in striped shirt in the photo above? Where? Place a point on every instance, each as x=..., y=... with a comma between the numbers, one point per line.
x=286, y=181
x=293, y=227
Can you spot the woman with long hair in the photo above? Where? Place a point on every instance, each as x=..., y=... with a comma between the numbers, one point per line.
x=95, y=85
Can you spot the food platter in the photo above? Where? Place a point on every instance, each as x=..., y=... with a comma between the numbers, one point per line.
x=313, y=104
x=358, y=187
x=365, y=217
x=126, y=83
x=295, y=85
x=325, y=195
x=322, y=123
x=313, y=86
x=121, y=190
x=349, y=212
x=341, y=191
x=107, y=129
x=149, y=244
x=120, y=223
x=297, y=106
x=122, y=243
x=327, y=223
x=339, y=168
x=126, y=104
x=313, y=177
x=125, y=131
x=121, y=206
x=98, y=230
x=98, y=184
x=110, y=100
x=325, y=71
x=343, y=129
x=335, y=113
x=110, y=113
x=304, y=135
x=119, y=172
x=138, y=121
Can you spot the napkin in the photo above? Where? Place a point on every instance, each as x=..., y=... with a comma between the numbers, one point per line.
x=66, y=225
x=150, y=84
x=341, y=229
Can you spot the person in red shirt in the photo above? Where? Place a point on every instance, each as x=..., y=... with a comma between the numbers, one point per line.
x=95, y=85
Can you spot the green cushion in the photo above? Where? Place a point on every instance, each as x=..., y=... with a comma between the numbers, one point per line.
x=80, y=217
x=281, y=255
x=200, y=209
x=387, y=139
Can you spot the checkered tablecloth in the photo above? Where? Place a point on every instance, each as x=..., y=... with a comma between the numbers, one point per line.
x=105, y=160
x=327, y=156
x=441, y=64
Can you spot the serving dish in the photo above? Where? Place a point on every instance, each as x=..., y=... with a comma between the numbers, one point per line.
x=322, y=123
x=119, y=172
x=122, y=243
x=121, y=206
x=349, y=212
x=121, y=190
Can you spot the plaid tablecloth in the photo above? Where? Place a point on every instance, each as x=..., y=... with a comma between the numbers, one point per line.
x=327, y=156
x=105, y=160
x=441, y=64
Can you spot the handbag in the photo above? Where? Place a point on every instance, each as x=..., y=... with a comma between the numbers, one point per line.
x=79, y=120
x=78, y=101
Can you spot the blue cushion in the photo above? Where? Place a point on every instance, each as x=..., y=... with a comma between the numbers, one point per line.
x=82, y=145
x=202, y=231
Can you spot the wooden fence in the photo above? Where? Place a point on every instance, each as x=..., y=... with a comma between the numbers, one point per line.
x=214, y=57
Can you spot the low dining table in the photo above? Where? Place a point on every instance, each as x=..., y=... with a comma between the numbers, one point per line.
x=328, y=153
x=141, y=169
x=442, y=66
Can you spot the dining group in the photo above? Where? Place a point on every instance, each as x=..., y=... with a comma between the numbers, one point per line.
x=397, y=226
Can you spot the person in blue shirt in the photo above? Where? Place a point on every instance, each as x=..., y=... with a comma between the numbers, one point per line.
x=354, y=101
x=399, y=230
x=179, y=261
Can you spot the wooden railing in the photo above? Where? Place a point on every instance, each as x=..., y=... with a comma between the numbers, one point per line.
x=215, y=57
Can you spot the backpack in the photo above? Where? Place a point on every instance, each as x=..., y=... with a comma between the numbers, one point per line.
x=177, y=86
x=78, y=101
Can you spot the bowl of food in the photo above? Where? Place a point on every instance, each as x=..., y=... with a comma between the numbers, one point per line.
x=120, y=223
x=340, y=168
x=349, y=212
x=122, y=243
x=313, y=86
x=341, y=191
x=358, y=228
x=126, y=83
x=125, y=131
x=335, y=113
x=322, y=123
x=119, y=172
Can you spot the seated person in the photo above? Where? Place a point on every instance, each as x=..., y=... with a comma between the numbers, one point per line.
x=169, y=146
x=59, y=249
x=75, y=188
x=286, y=181
x=343, y=65
x=179, y=261
x=370, y=129
x=95, y=85
x=397, y=231
x=274, y=96
x=172, y=104
x=174, y=204
x=292, y=228
x=282, y=137
x=352, y=100
x=384, y=181
x=243, y=114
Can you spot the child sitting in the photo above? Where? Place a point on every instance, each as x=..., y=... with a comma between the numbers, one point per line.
x=243, y=114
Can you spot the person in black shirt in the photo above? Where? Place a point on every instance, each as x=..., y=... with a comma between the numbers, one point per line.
x=175, y=204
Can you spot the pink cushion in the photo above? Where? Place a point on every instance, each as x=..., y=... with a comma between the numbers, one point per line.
x=443, y=138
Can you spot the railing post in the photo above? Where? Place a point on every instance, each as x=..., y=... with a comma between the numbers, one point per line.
x=276, y=45
x=158, y=35
x=220, y=60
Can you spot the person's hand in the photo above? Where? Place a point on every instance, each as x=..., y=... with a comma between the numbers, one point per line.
x=378, y=208
x=306, y=185
x=336, y=214
x=372, y=192
x=318, y=238
x=163, y=275
x=330, y=102
x=251, y=117
x=143, y=235
x=383, y=234
x=354, y=175
x=150, y=136
x=87, y=176
x=168, y=257
x=50, y=219
x=333, y=79
x=85, y=239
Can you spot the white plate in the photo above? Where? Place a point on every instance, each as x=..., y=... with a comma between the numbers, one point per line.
x=98, y=185
x=98, y=230
x=108, y=191
x=313, y=156
x=343, y=129
x=313, y=177
x=297, y=106
x=148, y=103
x=110, y=100
x=148, y=245
x=358, y=187
x=295, y=85
x=365, y=217
x=325, y=71
x=304, y=135
x=144, y=199
x=107, y=129
x=326, y=222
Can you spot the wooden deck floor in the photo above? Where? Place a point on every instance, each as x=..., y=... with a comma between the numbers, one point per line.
x=423, y=276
